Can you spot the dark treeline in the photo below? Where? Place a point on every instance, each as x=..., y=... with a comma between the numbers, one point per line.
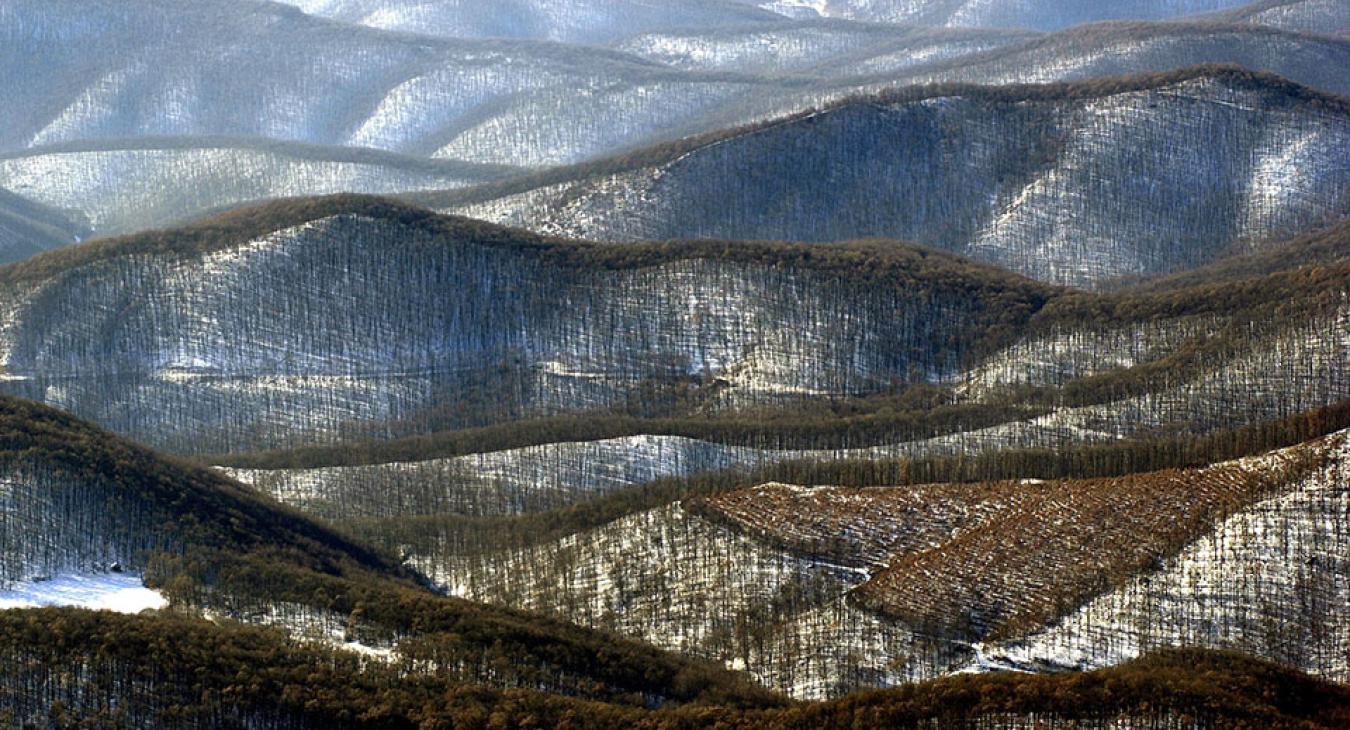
x=918, y=412
x=79, y=669
x=458, y=534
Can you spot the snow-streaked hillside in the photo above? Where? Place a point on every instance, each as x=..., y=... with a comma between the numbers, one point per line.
x=814, y=47
x=1109, y=49
x=1313, y=16
x=160, y=68
x=682, y=582
x=1037, y=14
x=1073, y=185
x=1271, y=580
x=1233, y=584
x=1298, y=369
x=121, y=187
x=349, y=321
x=354, y=319
x=570, y=21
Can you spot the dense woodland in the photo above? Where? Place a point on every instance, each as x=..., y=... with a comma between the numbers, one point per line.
x=1188, y=331
x=74, y=669
x=218, y=545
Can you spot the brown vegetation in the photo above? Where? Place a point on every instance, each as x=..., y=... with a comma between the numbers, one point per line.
x=83, y=669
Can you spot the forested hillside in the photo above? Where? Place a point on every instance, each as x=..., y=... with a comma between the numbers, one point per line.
x=1319, y=16
x=811, y=364
x=998, y=175
x=245, y=332
x=248, y=678
x=239, y=333
x=79, y=500
x=222, y=101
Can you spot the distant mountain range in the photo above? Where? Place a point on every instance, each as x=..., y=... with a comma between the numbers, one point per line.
x=127, y=103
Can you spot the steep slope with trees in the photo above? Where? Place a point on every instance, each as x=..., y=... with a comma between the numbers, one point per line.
x=78, y=499
x=765, y=579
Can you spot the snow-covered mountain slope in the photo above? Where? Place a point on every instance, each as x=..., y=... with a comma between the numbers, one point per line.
x=811, y=47
x=567, y=21
x=1295, y=370
x=1037, y=14
x=1313, y=16
x=782, y=583
x=1109, y=49
x=125, y=186
x=1073, y=184
x=115, y=70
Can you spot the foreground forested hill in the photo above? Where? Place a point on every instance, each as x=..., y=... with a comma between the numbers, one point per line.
x=81, y=501
x=131, y=677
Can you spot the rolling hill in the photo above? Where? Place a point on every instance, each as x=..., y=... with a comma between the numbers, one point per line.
x=1317, y=16
x=257, y=69
x=589, y=22
x=123, y=186
x=27, y=227
x=244, y=332
x=674, y=364
x=1072, y=184
x=883, y=585
x=79, y=500
x=1036, y=14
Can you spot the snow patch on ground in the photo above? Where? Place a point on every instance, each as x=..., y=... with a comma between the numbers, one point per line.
x=120, y=592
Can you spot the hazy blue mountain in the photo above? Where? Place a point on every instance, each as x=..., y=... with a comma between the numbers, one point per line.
x=161, y=68
x=1313, y=16
x=27, y=227
x=120, y=186
x=570, y=21
x=1035, y=14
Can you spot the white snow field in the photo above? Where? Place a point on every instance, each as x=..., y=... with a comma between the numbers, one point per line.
x=119, y=592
